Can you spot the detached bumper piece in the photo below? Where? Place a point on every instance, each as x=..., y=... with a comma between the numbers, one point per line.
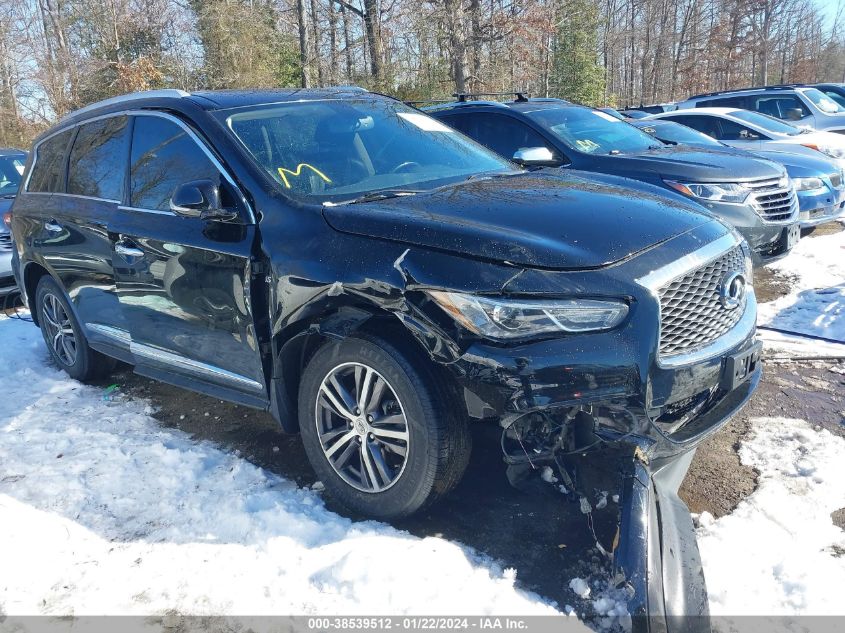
x=657, y=556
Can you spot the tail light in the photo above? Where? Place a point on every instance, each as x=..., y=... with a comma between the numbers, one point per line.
x=7, y=219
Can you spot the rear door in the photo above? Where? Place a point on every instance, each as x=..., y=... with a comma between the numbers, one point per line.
x=96, y=182
x=184, y=282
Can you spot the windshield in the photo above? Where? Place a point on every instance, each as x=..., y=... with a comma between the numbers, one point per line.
x=332, y=151
x=593, y=131
x=677, y=134
x=766, y=122
x=11, y=169
x=822, y=101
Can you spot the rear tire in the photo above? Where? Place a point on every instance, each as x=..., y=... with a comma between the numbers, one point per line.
x=381, y=431
x=64, y=337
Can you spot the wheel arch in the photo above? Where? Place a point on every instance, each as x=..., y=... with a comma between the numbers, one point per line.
x=32, y=274
x=294, y=346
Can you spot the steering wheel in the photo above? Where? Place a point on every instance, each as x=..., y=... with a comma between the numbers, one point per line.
x=407, y=165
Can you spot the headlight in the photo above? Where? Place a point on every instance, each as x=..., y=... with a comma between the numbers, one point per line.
x=499, y=318
x=714, y=192
x=833, y=152
x=808, y=184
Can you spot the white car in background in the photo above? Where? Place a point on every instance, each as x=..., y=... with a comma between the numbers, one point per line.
x=802, y=105
x=754, y=131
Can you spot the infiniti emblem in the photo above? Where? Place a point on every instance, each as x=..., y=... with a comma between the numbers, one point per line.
x=732, y=290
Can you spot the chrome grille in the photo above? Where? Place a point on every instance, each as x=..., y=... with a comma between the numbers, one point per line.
x=691, y=314
x=5, y=242
x=773, y=199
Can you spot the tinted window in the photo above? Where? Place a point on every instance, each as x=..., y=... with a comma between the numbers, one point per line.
x=49, y=169
x=787, y=107
x=705, y=124
x=97, y=165
x=164, y=156
x=11, y=168
x=723, y=102
x=735, y=132
x=677, y=134
x=334, y=151
x=503, y=134
x=766, y=122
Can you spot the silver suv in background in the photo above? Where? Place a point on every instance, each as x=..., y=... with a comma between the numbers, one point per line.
x=804, y=106
x=12, y=163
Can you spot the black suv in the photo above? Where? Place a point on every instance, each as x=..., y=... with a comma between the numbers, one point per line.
x=374, y=279
x=753, y=195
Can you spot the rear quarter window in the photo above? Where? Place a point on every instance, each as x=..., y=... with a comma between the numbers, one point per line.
x=48, y=170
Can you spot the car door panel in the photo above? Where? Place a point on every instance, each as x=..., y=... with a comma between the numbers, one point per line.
x=184, y=283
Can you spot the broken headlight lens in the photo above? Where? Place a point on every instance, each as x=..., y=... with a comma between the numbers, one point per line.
x=500, y=318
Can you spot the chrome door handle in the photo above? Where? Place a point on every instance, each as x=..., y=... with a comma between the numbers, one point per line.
x=121, y=248
x=53, y=226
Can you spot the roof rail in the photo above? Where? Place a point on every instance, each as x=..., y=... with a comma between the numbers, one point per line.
x=521, y=95
x=735, y=90
x=132, y=96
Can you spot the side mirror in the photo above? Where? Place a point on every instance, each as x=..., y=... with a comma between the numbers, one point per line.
x=794, y=114
x=748, y=135
x=536, y=157
x=199, y=199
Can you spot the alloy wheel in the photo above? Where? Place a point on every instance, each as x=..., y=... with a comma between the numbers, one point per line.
x=362, y=427
x=59, y=329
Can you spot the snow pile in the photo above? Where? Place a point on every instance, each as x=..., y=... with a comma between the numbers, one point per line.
x=779, y=552
x=104, y=512
x=816, y=301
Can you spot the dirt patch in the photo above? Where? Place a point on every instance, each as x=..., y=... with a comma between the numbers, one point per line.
x=770, y=285
x=831, y=228
x=838, y=518
x=717, y=481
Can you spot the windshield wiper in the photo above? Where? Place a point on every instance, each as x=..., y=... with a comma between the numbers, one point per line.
x=375, y=196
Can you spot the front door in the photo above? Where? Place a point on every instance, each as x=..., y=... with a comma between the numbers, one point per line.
x=184, y=282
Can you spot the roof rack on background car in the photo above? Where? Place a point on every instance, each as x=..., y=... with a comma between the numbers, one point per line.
x=734, y=90
x=520, y=95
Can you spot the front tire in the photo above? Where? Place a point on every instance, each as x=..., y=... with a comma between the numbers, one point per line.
x=380, y=430
x=64, y=337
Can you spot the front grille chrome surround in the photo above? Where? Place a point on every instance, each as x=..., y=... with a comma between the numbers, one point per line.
x=669, y=284
x=5, y=242
x=774, y=199
x=691, y=313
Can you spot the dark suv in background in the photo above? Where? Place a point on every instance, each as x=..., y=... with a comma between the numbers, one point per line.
x=753, y=195
x=374, y=280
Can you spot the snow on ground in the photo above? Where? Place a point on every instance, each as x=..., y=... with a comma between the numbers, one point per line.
x=816, y=301
x=779, y=552
x=103, y=511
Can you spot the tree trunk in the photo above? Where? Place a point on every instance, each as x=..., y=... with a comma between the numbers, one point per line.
x=302, y=23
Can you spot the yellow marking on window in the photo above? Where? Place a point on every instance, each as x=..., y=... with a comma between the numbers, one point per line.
x=298, y=171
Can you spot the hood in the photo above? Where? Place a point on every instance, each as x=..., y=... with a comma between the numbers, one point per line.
x=822, y=139
x=694, y=164
x=543, y=219
x=800, y=165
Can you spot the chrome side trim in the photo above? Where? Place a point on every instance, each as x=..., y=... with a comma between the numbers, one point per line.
x=142, y=210
x=117, y=335
x=202, y=369
x=656, y=279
